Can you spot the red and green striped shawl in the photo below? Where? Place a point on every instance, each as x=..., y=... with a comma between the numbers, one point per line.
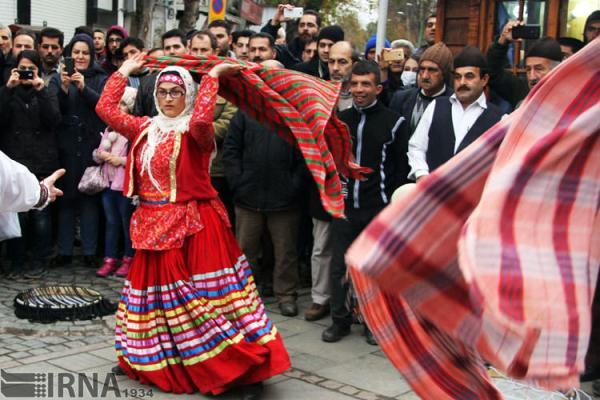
x=296, y=106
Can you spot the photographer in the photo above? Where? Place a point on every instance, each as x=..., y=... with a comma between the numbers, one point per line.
x=30, y=113
x=78, y=86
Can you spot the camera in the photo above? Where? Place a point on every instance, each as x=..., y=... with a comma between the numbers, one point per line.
x=526, y=32
x=25, y=75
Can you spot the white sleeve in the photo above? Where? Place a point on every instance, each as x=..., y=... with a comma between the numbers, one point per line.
x=418, y=143
x=19, y=188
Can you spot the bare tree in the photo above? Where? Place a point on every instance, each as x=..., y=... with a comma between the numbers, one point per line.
x=191, y=9
x=141, y=24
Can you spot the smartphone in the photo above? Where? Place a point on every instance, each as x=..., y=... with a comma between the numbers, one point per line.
x=69, y=65
x=393, y=54
x=25, y=75
x=526, y=32
x=293, y=13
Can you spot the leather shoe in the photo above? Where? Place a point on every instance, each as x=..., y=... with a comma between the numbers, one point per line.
x=252, y=392
x=369, y=337
x=334, y=333
x=288, y=309
x=117, y=370
x=316, y=312
x=590, y=375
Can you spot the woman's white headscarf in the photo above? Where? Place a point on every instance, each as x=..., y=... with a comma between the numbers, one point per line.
x=160, y=126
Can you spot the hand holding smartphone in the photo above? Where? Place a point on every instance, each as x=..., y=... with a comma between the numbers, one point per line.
x=293, y=13
x=526, y=32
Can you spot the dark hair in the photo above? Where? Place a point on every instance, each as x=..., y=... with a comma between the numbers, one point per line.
x=573, y=43
x=84, y=29
x=220, y=23
x=26, y=32
x=173, y=33
x=99, y=31
x=155, y=49
x=32, y=56
x=366, y=67
x=132, y=41
x=53, y=33
x=429, y=17
x=264, y=35
x=316, y=14
x=238, y=34
x=210, y=36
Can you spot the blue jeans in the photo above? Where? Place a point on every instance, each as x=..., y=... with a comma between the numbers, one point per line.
x=36, y=236
x=117, y=210
x=88, y=209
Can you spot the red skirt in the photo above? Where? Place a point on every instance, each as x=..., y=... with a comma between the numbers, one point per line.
x=191, y=319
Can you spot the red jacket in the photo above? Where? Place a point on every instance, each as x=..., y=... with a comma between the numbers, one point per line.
x=192, y=150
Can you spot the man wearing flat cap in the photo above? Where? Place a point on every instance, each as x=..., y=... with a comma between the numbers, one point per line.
x=435, y=67
x=543, y=56
x=328, y=36
x=449, y=124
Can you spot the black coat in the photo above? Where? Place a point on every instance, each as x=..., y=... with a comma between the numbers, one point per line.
x=380, y=142
x=80, y=131
x=144, y=100
x=264, y=172
x=403, y=102
x=29, y=118
x=312, y=68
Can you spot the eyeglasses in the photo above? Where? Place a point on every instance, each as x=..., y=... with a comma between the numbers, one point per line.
x=175, y=94
x=50, y=46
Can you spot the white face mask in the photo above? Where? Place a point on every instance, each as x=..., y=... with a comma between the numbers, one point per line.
x=409, y=78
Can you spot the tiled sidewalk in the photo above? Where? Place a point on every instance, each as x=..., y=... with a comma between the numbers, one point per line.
x=349, y=369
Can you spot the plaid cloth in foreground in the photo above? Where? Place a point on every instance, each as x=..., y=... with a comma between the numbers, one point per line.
x=298, y=107
x=495, y=255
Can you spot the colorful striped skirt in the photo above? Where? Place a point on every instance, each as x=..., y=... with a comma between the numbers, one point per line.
x=190, y=319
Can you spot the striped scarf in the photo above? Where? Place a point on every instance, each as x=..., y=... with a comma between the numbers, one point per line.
x=297, y=107
x=495, y=255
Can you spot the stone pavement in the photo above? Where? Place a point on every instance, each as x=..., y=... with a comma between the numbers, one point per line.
x=349, y=369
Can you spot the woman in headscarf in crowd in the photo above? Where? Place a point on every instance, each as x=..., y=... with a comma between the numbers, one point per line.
x=79, y=134
x=29, y=113
x=190, y=317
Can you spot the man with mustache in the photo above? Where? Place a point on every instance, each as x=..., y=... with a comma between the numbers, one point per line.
x=435, y=66
x=449, y=124
x=50, y=50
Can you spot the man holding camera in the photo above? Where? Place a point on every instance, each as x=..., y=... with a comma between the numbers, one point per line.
x=542, y=57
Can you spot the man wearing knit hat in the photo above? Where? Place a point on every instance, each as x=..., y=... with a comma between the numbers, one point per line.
x=435, y=67
x=449, y=124
x=370, y=48
x=543, y=56
x=328, y=36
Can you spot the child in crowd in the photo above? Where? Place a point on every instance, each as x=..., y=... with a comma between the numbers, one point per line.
x=112, y=154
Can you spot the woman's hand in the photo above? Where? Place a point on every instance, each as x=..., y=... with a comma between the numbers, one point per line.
x=133, y=64
x=114, y=160
x=79, y=81
x=225, y=69
x=14, y=80
x=65, y=80
x=38, y=83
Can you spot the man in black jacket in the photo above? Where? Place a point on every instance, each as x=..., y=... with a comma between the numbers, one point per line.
x=435, y=67
x=379, y=142
x=449, y=124
x=308, y=28
x=266, y=174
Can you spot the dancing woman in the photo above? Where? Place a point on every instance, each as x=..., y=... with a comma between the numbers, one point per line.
x=190, y=317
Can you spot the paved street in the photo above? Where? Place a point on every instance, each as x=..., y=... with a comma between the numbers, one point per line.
x=350, y=369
